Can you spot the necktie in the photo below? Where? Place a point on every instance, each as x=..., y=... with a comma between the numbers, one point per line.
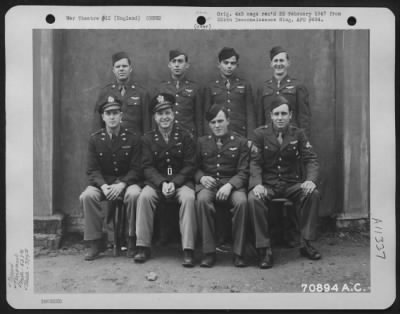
x=227, y=84
x=280, y=138
x=122, y=89
x=219, y=143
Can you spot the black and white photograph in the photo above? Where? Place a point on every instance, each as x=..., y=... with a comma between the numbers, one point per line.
x=225, y=161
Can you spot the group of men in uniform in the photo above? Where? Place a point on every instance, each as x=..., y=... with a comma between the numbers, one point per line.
x=201, y=165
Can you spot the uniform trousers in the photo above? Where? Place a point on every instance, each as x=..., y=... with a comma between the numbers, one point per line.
x=306, y=211
x=146, y=206
x=206, y=208
x=91, y=199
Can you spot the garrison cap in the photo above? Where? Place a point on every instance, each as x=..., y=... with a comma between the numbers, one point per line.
x=175, y=53
x=279, y=100
x=162, y=101
x=276, y=50
x=120, y=55
x=110, y=103
x=214, y=110
x=226, y=53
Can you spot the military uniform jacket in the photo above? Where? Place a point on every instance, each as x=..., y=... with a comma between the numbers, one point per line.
x=230, y=164
x=172, y=162
x=136, y=116
x=238, y=99
x=273, y=163
x=113, y=161
x=188, y=107
x=294, y=92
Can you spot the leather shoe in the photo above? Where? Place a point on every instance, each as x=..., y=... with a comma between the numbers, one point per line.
x=310, y=252
x=208, y=260
x=142, y=254
x=95, y=248
x=188, y=260
x=131, y=247
x=238, y=261
x=265, y=258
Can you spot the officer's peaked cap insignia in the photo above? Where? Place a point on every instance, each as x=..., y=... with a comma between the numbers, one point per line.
x=279, y=100
x=176, y=53
x=227, y=53
x=110, y=103
x=120, y=55
x=162, y=101
x=276, y=50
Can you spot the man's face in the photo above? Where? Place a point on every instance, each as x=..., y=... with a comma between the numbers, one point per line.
x=178, y=65
x=112, y=118
x=280, y=64
x=219, y=125
x=164, y=118
x=122, y=69
x=281, y=116
x=228, y=66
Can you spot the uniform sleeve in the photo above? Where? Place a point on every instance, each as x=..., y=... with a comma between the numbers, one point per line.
x=304, y=112
x=199, y=114
x=134, y=174
x=259, y=108
x=309, y=158
x=251, y=123
x=188, y=168
x=150, y=172
x=256, y=160
x=207, y=104
x=241, y=178
x=146, y=113
x=199, y=171
x=95, y=176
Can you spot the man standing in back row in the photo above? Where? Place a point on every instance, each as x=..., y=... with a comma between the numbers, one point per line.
x=232, y=92
x=188, y=107
x=132, y=96
x=282, y=84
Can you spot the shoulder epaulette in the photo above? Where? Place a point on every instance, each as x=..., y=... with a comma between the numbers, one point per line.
x=97, y=132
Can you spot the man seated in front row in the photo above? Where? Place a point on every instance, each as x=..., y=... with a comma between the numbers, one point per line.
x=275, y=171
x=168, y=164
x=222, y=177
x=113, y=172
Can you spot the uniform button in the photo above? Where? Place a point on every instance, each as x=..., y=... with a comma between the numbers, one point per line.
x=177, y=95
x=167, y=153
x=277, y=93
x=229, y=100
x=279, y=167
x=280, y=159
x=176, y=112
x=217, y=173
x=218, y=155
x=114, y=162
x=176, y=121
x=168, y=160
x=229, y=109
x=217, y=179
x=217, y=165
x=228, y=92
x=116, y=169
x=113, y=155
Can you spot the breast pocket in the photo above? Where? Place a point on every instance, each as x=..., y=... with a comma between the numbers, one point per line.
x=290, y=90
x=134, y=101
x=240, y=90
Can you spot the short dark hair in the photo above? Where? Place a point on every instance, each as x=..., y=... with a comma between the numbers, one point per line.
x=214, y=110
x=227, y=53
